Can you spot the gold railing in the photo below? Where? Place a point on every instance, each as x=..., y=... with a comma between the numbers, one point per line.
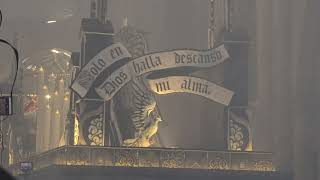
x=151, y=157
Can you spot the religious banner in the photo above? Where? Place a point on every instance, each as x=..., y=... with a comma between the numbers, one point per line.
x=179, y=58
x=97, y=65
x=135, y=113
x=114, y=82
x=160, y=61
x=187, y=84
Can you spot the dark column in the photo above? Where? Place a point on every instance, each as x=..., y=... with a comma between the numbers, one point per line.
x=95, y=36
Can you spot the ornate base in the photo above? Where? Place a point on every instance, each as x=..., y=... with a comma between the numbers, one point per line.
x=129, y=173
x=76, y=160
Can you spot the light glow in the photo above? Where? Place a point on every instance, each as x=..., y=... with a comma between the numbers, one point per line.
x=51, y=21
x=67, y=54
x=76, y=131
x=48, y=96
x=34, y=68
x=55, y=51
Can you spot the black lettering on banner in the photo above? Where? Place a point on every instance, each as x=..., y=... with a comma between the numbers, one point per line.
x=97, y=66
x=119, y=80
x=189, y=58
x=194, y=57
x=115, y=84
x=101, y=63
x=213, y=57
x=196, y=87
x=151, y=61
x=94, y=71
x=136, y=67
x=200, y=59
x=177, y=58
x=124, y=76
x=116, y=52
x=143, y=64
x=162, y=86
x=112, y=53
x=219, y=55
x=189, y=84
x=206, y=58
x=193, y=85
x=184, y=85
x=108, y=87
x=147, y=64
x=205, y=89
x=182, y=58
x=158, y=61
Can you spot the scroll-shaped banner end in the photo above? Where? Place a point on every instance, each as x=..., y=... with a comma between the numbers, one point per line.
x=79, y=89
x=96, y=66
x=187, y=84
x=114, y=83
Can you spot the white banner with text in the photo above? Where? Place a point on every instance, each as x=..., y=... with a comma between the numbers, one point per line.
x=160, y=61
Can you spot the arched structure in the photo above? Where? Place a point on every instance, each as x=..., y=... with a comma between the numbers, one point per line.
x=45, y=90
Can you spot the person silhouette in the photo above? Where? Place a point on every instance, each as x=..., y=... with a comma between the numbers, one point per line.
x=4, y=175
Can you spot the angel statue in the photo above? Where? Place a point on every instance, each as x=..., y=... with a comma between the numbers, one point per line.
x=135, y=113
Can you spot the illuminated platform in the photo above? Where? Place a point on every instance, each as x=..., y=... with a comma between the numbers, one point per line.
x=152, y=158
x=99, y=163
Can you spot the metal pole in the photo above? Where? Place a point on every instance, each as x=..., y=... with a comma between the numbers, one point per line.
x=229, y=15
x=211, y=28
x=93, y=9
x=1, y=140
x=102, y=8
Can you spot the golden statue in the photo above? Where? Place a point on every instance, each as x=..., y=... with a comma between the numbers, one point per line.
x=145, y=138
x=137, y=113
x=135, y=106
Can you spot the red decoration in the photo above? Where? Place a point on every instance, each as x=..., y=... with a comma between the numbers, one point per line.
x=32, y=105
